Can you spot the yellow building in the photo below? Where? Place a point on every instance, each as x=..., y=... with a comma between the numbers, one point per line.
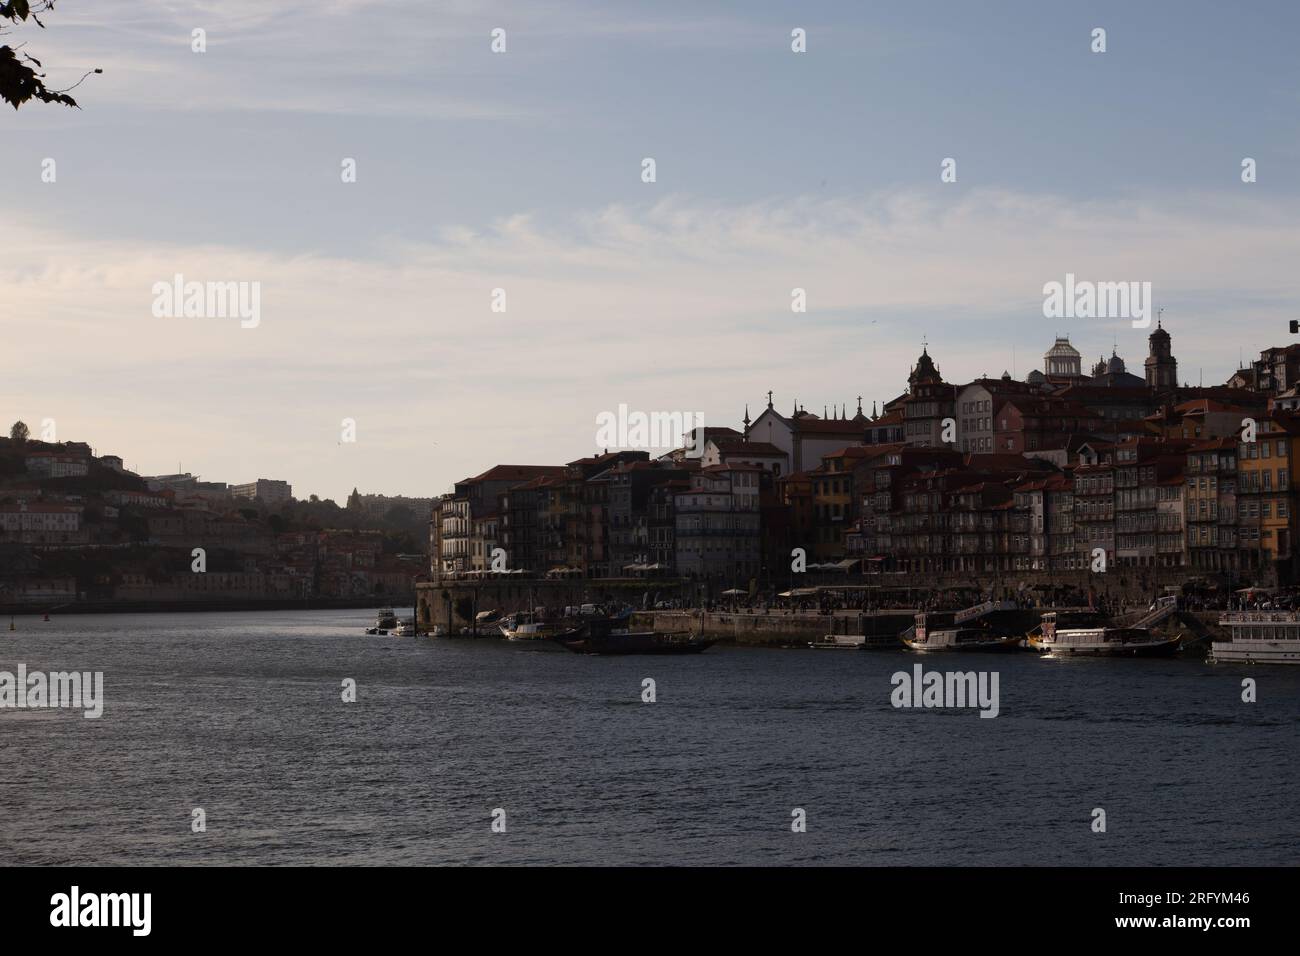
x=1265, y=500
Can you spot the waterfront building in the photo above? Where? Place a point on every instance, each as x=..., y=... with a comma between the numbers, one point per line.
x=1171, y=509
x=1211, y=505
x=979, y=526
x=879, y=487
x=1043, y=523
x=1140, y=466
x=484, y=538
x=452, y=553
x=629, y=512
x=796, y=495
x=717, y=532
x=1265, y=498
x=662, y=526
x=474, y=498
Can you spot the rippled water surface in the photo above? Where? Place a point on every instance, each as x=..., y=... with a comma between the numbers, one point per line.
x=241, y=714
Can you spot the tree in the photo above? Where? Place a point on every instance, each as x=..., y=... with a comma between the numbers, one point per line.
x=19, y=82
x=18, y=434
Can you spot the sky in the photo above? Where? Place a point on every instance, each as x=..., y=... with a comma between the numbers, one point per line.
x=522, y=171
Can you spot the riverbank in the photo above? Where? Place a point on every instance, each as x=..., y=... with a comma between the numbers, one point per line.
x=783, y=629
x=171, y=607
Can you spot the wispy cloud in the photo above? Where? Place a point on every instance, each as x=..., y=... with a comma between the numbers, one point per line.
x=666, y=305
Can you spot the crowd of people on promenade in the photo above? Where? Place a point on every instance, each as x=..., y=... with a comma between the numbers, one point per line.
x=830, y=601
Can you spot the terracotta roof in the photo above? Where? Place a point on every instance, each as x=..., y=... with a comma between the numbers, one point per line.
x=828, y=426
x=515, y=472
x=729, y=444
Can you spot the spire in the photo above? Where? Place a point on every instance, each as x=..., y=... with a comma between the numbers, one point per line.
x=746, y=418
x=769, y=398
x=859, y=404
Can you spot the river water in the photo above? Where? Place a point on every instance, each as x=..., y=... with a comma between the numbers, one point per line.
x=241, y=715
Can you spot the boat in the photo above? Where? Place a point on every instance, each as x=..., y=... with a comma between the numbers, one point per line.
x=1093, y=637
x=529, y=626
x=405, y=629
x=839, y=642
x=376, y=630
x=608, y=637
x=924, y=639
x=1258, y=637
x=385, y=619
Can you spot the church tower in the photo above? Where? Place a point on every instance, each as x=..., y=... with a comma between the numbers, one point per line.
x=1161, y=366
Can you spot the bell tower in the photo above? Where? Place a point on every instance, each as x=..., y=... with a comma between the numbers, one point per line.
x=1161, y=366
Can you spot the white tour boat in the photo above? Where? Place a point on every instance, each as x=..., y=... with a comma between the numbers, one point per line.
x=1100, y=640
x=1259, y=637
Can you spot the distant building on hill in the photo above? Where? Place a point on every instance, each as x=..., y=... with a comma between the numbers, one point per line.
x=265, y=491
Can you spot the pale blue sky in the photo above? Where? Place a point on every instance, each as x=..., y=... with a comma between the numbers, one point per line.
x=521, y=170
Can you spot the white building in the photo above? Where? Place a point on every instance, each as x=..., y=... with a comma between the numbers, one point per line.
x=265, y=490
x=803, y=437
x=53, y=465
x=39, y=522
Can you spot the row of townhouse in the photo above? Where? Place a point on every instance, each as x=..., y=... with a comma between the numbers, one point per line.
x=617, y=514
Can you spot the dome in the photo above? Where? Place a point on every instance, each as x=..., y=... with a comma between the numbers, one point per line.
x=1116, y=364
x=1062, y=349
x=1036, y=377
